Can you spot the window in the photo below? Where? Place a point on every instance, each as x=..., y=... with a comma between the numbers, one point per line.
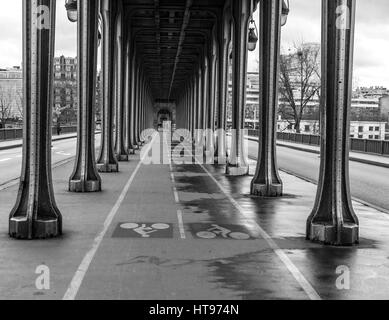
x=360, y=129
x=377, y=137
x=360, y=136
x=377, y=128
x=371, y=136
x=371, y=128
x=307, y=128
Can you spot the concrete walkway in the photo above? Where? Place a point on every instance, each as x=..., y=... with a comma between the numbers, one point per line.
x=186, y=231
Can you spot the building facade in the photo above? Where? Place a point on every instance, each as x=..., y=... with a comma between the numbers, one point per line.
x=11, y=82
x=65, y=90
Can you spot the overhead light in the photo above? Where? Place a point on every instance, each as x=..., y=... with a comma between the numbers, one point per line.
x=71, y=8
x=284, y=12
x=253, y=36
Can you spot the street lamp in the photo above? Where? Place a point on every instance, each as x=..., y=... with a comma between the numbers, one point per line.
x=284, y=12
x=71, y=8
x=253, y=35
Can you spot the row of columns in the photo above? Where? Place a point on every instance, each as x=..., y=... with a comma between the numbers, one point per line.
x=333, y=220
x=35, y=214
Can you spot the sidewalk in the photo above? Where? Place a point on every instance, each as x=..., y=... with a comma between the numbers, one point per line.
x=187, y=231
x=11, y=144
x=366, y=158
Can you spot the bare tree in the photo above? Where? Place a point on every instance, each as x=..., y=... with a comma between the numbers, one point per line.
x=299, y=82
x=5, y=106
x=19, y=103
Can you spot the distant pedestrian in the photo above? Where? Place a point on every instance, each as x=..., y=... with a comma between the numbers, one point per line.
x=59, y=129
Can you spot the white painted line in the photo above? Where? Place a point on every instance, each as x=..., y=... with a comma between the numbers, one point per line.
x=303, y=282
x=177, y=200
x=6, y=159
x=78, y=277
x=181, y=224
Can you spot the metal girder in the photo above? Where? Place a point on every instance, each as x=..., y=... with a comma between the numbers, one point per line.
x=35, y=214
x=333, y=220
x=107, y=161
x=267, y=181
x=85, y=177
x=238, y=161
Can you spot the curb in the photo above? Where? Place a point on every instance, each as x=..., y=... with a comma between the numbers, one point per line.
x=370, y=162
x=14, y=146
x=53, y=140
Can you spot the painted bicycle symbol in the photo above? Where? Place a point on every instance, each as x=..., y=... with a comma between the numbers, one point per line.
x=145, y=230
x=225, y=233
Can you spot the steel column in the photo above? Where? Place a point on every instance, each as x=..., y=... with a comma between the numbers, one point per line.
x=107, y=161
x=333, y=220
x=120, y=150
x=35, y=214
x=205, y=84
x=199, y=107
x=129, y=112
x=210, y=93
x=194, y=104
x=224, y=43
x=139, y=103
x=85, y=177
x=134, y=97
x=267, y=181
x=136, y=106
x=238, y=162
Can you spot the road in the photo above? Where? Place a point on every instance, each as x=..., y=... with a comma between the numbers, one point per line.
x=368, y=183
x=11, y=160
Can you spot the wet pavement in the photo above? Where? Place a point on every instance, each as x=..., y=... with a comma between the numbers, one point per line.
x=187, y=231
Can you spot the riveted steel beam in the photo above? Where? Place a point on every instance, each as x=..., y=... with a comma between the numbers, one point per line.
x=107, y=161
x=238, y=163
x=85, y=177
x=224, y=44
x=267, y=181
x=35, y=214
x=333, y=220
x=120, y=150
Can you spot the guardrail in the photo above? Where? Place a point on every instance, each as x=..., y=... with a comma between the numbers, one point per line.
x=379, y=147
x=15, y=134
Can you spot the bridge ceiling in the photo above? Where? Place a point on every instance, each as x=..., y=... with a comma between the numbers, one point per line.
x=170, y=36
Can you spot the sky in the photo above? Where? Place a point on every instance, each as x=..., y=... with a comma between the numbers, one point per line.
x=371, y=62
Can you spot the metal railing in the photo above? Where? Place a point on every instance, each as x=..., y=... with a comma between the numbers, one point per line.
x=379, y=147
x=15, y=134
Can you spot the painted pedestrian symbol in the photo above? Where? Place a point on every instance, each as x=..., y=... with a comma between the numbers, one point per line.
x=215, y=231
x=143, y=230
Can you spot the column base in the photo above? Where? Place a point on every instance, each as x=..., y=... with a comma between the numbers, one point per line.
x=262, y=190
x=84, y=186
x=328, y=234
x=107, y=167
x=122, y=157
x=42, y=229
x=220, y=160
x=234, y=170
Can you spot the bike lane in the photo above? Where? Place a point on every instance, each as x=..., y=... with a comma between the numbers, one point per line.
x=178, y=235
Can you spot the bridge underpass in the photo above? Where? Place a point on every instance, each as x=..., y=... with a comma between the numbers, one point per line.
x=124, y=226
